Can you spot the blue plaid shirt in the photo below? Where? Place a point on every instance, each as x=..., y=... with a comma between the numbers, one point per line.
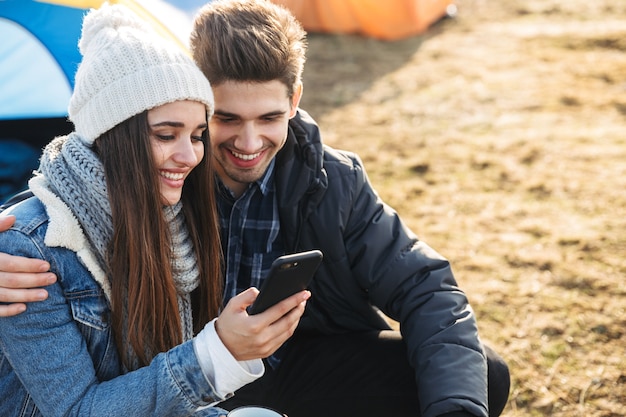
x=249, y=227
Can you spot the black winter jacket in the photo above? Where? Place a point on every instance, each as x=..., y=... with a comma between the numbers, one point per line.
x=372, y=260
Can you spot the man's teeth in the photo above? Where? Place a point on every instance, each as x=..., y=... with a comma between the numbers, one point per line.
x=172, y=176
x=244, y=156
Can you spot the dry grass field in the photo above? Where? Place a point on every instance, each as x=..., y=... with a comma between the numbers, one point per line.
x=500, y=137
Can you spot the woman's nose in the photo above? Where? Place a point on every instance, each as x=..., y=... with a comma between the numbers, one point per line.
x=186, y=152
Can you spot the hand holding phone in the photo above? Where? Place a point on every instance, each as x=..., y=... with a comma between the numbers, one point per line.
x=288, y=275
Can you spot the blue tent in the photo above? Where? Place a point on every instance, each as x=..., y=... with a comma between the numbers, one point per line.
x=38, y=59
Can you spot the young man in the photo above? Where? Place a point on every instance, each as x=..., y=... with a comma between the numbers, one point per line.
x=282, y=191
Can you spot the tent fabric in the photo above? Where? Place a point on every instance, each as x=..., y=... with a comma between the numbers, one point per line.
x=39, y=57
x=385, y=20
x=39, y=49
x=38, y=60
x=17, y=161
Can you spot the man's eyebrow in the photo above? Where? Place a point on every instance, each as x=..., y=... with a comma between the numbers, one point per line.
x=230, y=115
x=225, y=114
x=274, y=113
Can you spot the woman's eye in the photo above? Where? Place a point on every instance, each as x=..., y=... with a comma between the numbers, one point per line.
x=165, y=137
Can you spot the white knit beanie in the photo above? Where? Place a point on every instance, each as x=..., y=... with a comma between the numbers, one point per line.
x=128, y=68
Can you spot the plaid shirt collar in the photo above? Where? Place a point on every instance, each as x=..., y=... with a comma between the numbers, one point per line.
x=262, y=183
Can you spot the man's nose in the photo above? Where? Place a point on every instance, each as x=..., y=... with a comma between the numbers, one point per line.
x=249, y=138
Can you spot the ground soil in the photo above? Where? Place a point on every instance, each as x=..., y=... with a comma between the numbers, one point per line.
x=500, y=137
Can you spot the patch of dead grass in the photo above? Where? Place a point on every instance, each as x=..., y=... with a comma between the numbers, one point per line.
x=499, y=137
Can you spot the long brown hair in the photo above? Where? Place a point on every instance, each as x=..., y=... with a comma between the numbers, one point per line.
x=144, y=302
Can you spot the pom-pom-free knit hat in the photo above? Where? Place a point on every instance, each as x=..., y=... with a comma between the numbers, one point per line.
x=128, y=68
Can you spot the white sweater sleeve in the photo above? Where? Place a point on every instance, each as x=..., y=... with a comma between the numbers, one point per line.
x=225, y=373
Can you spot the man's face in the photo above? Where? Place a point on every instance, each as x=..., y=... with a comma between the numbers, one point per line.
x=248, y=129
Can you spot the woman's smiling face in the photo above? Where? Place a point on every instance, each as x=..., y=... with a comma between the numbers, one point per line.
x=177, y=141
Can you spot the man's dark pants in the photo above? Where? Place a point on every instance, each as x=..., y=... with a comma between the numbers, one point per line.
x=364, y=374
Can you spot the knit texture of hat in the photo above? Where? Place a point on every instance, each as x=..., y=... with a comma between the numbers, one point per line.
x=128, y=68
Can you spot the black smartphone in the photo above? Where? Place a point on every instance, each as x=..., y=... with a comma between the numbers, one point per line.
x=288, y=275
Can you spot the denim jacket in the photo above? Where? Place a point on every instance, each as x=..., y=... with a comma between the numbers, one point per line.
x=59, y=358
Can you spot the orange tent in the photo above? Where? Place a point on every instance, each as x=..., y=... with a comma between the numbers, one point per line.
x=386, y=20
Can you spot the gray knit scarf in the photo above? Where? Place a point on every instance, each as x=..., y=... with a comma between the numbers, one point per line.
x=76, y=175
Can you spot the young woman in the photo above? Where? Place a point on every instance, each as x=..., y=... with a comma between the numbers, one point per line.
x=124, y=214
